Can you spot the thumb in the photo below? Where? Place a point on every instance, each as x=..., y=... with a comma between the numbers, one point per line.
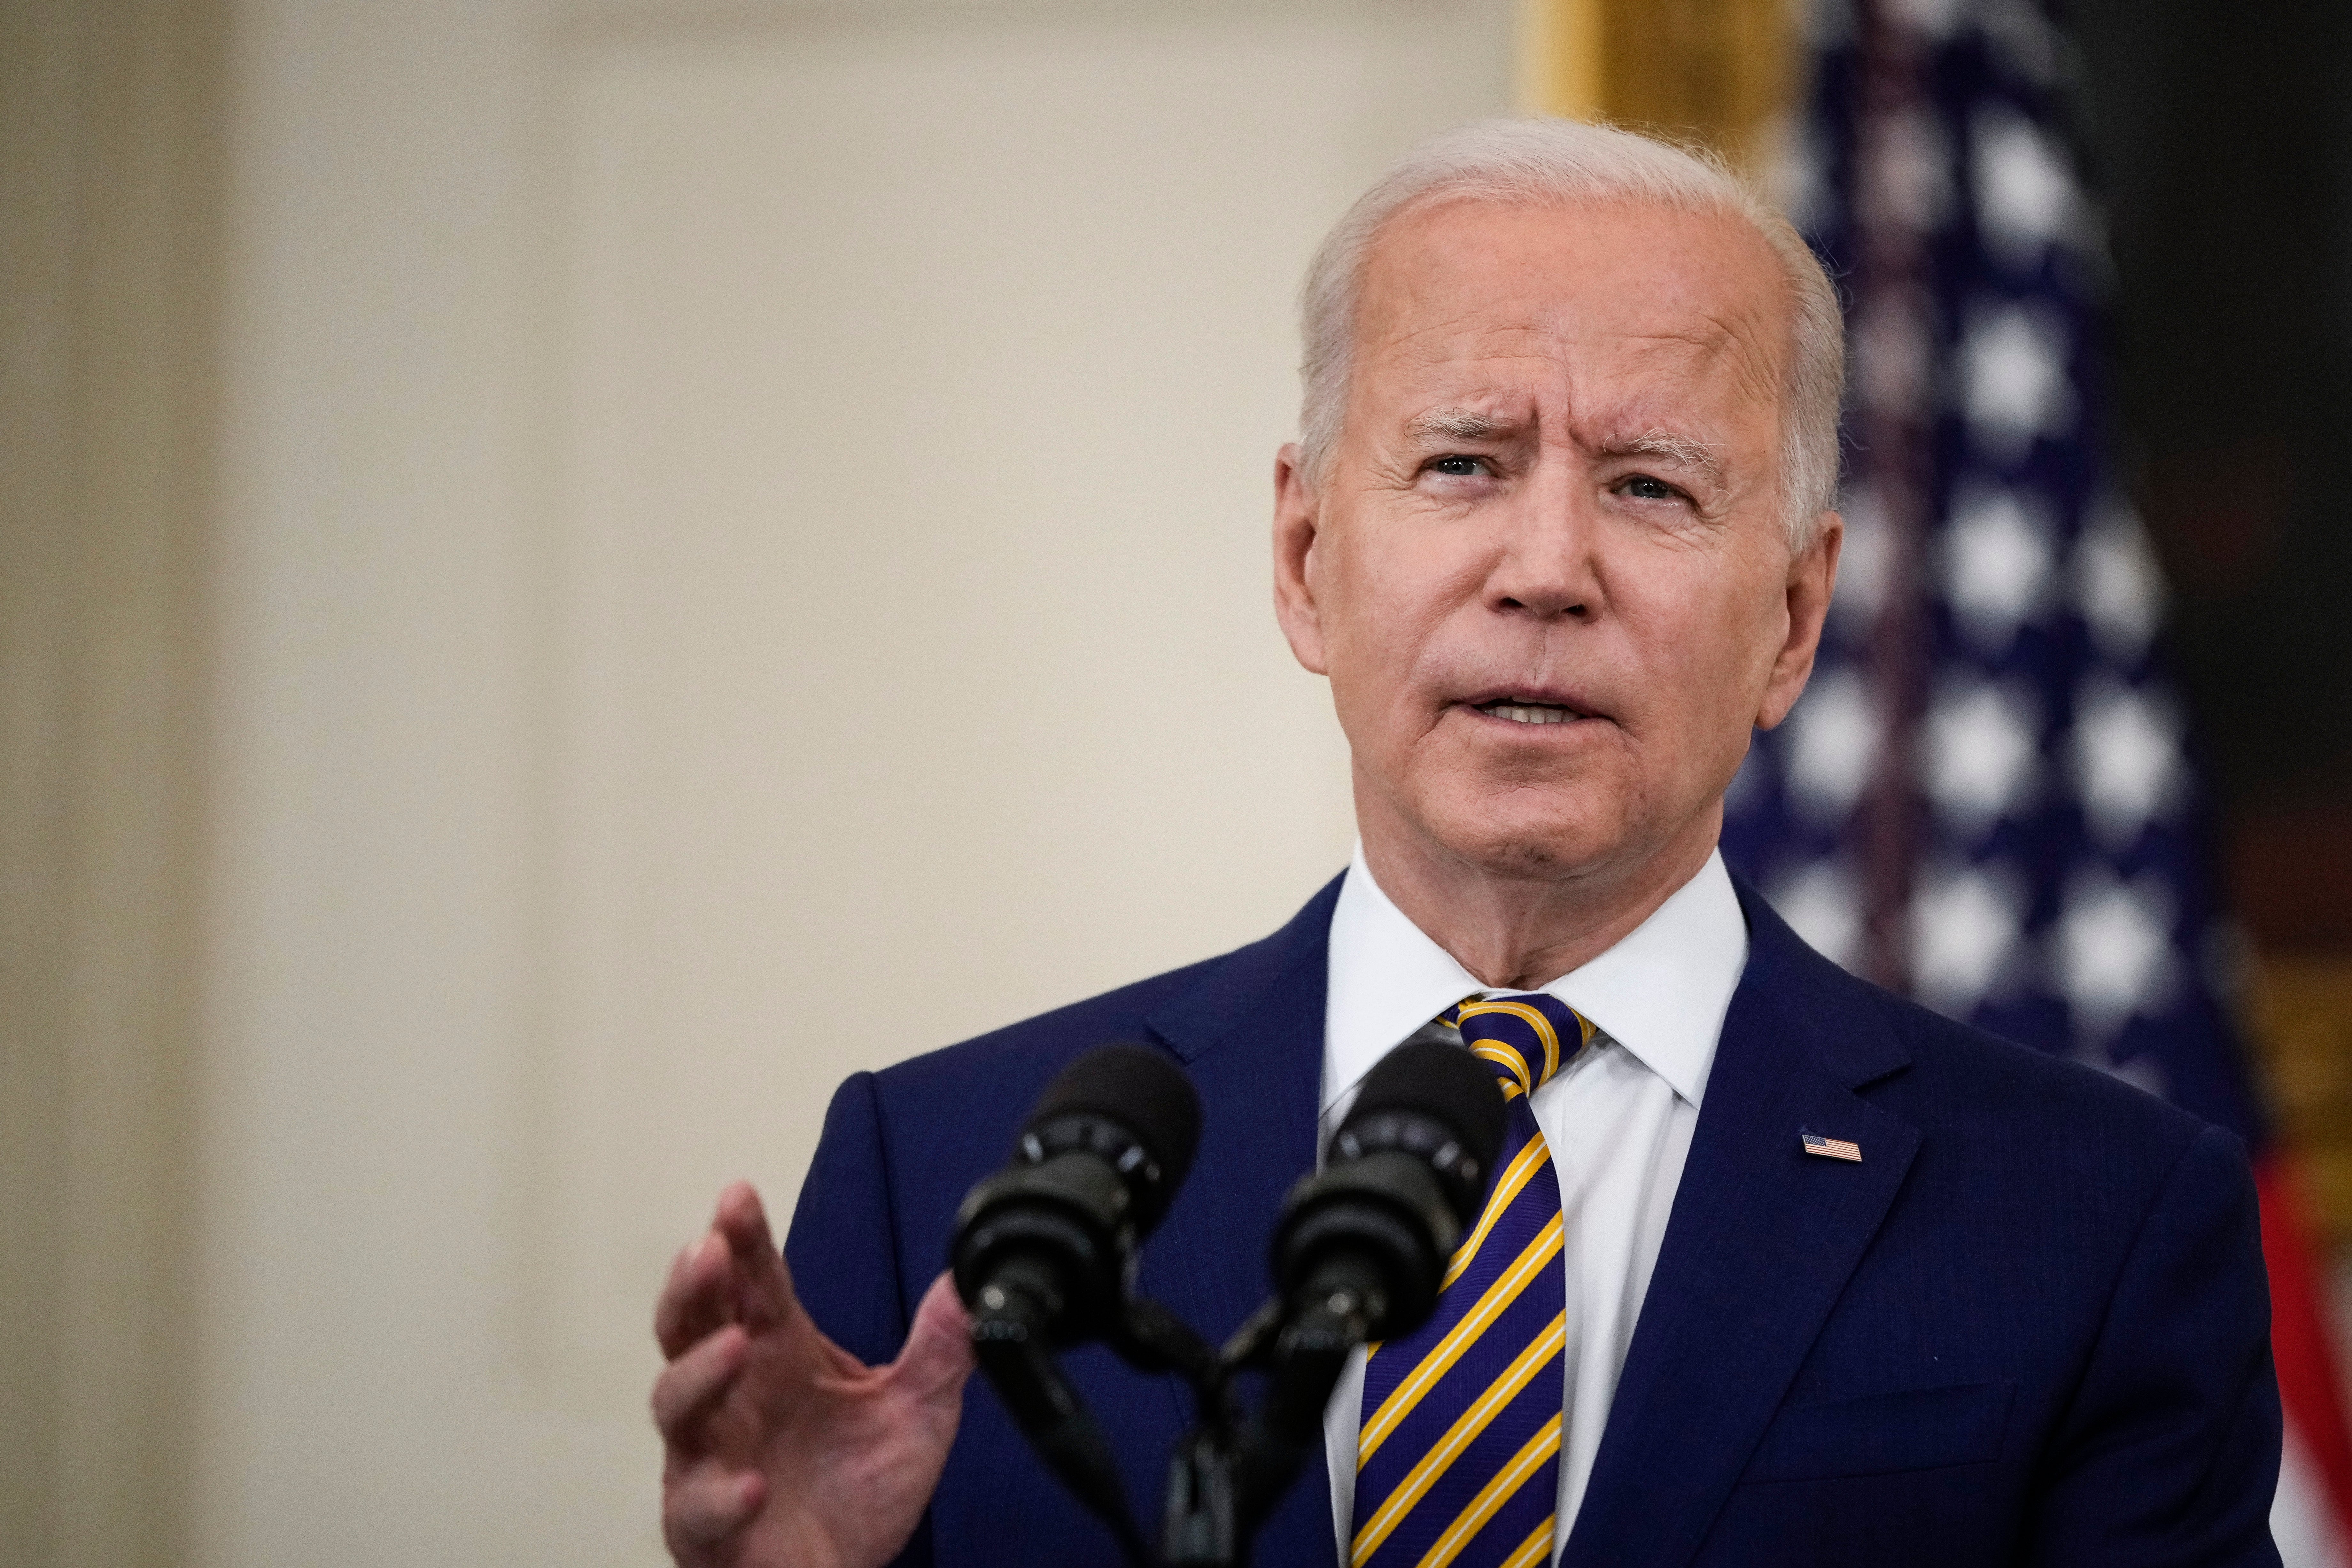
x=938, y=1355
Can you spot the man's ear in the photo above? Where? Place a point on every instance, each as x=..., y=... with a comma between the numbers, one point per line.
x=1813, y=576
x=1297, y=531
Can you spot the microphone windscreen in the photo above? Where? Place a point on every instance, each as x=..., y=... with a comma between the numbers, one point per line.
x=1443, y=1081
x=1142, y=1090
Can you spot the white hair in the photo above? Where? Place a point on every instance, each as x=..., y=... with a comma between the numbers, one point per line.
x=1540, y=162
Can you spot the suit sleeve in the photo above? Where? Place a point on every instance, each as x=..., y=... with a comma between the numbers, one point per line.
x=843, y=1247
x=2169, y=1452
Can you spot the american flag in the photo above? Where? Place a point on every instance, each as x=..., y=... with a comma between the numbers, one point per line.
x=1831, y=1148
x=1986, y=798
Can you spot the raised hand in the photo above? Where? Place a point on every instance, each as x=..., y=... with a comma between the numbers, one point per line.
x=783, y=1450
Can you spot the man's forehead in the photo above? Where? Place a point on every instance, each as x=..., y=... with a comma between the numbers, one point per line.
x=1614, y=394
x=1471, y=354
x=1468, y=293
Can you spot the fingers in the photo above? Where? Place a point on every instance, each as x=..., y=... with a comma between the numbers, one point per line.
x=764, y=1289
x=706, y=1505
x=698, y=1296
x=695, y=1381
x=937, y=1354
x=732, y=1273
x=742, y=1217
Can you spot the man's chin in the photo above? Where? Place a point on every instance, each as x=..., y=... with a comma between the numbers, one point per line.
x=1542, y=846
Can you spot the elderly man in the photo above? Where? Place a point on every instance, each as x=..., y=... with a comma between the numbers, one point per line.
x=1783, y=1268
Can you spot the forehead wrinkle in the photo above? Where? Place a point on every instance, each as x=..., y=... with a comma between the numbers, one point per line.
x=1430, y=342
x=1742, y=342
x=1718, y=340
x=1691, y=358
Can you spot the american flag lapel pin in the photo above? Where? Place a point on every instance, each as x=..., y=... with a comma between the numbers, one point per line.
x=1830, y=1148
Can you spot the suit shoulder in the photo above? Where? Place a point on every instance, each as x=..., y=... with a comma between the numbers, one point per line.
x=1949, y=1074
x=1964, y=1076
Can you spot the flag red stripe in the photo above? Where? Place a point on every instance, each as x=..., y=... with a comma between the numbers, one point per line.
x=2301, y=1342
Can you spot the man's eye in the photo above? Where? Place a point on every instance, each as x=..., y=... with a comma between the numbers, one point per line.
x=1458, y=467
x=1642, y=486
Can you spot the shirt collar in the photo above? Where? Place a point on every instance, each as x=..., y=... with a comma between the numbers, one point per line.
x=1661, y=993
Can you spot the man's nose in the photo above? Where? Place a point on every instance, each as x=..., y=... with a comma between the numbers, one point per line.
x=1545, y=565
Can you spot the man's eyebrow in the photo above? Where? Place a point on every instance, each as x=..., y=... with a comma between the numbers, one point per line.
x=1682, y=451
x=1439, y=426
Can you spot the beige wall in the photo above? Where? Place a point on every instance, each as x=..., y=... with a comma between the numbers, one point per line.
x=728, y=548
x=109, y=207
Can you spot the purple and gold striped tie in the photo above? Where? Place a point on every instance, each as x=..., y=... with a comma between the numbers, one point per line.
x=1458, y=1456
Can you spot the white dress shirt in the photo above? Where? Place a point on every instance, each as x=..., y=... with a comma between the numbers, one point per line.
x=1618, y=1119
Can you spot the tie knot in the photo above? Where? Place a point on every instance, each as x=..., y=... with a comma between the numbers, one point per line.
x=1525, y=1036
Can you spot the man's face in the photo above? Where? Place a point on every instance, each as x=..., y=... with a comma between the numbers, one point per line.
x=1547, y=569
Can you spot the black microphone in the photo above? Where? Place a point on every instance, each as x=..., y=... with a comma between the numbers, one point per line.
x=1045, y=1250
x=1361, y=1248
x=1404, y=1177
x=1051, y=1238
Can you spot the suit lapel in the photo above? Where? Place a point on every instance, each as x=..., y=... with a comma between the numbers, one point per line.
x=1250, y=1033
x=1760, y=1243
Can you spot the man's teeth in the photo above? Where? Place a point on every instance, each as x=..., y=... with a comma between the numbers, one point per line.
x=1527, y=712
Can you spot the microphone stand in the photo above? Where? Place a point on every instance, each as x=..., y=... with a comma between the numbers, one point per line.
x=1225, y=1474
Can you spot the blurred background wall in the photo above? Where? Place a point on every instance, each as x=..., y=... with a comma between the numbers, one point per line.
x=111, y=213
x=575, y=572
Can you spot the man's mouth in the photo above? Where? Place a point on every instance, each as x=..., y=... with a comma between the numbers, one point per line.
x=1519, y=711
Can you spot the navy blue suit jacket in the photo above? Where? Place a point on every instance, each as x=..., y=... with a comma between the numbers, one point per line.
x=2031, y=1326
